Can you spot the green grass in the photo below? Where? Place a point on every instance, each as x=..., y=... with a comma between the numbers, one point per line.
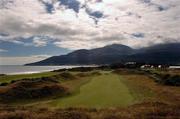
x=8, y=78
x=72, y=85
x=106, y=90
x=96, y=91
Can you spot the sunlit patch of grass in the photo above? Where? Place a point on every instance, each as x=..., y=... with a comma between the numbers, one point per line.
x=101, y=91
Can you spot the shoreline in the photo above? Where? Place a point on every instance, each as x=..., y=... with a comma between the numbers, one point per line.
x=33, y=70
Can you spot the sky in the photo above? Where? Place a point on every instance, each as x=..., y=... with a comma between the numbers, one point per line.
x=33, y=30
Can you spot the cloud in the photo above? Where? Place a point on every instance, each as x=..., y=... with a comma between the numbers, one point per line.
x=18, y=27
x=76, y=45
x=156, y=5
x=89, y=43
x=77, y=24
x=38, y=42
x=2, y=50
x=22, y=60
x=4, y=4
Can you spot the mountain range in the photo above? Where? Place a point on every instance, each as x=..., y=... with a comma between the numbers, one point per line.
x=116, y=53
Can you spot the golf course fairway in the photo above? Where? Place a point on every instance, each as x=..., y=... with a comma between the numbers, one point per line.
x=106, y=90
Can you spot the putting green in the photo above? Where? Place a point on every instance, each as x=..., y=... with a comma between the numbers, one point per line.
x=102, y=91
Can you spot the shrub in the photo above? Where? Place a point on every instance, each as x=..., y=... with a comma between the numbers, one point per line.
x=83, y=69
x=32, y=89
x=67, y=75
x=96, y=73
x=3, y=84
x=172, y=80
x=2, y=74
x=13, y=81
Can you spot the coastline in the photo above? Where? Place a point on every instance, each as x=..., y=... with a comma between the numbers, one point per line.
x=21, y=69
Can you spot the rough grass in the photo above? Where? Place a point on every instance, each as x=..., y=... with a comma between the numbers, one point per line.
x=66, y=76
x=146, y=110
x=151, y=90
x=9, y=78
x=101, y=91
x=153, y=101
x=165, y=71
x=27, y=89
x=169, y=77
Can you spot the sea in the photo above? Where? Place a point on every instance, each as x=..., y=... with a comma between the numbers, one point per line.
x=18, y=69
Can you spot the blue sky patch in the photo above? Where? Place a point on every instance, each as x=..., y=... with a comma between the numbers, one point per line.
x=71, y=4
x=22, y=50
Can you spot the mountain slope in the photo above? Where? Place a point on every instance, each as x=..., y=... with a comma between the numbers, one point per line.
x=160, y=54
x=104, y=55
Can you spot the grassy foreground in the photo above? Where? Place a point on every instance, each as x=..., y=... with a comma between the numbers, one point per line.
x=106, y=90
x=120, y=94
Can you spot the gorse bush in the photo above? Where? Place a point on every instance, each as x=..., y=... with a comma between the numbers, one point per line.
x=67, y=76
x=146, y=110
x=172, y=80
x=3, y=84
x=31, y=89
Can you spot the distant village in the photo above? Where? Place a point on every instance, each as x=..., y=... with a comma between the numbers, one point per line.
x=144, y=66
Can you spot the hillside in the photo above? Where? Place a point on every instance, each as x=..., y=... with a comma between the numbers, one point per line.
x=158, y=54
x=118, y=53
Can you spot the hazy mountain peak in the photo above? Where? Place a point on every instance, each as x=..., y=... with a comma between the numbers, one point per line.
x=116, y=46
x=116, y=53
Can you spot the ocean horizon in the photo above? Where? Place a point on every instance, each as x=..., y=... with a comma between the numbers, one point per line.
x=21, y=69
